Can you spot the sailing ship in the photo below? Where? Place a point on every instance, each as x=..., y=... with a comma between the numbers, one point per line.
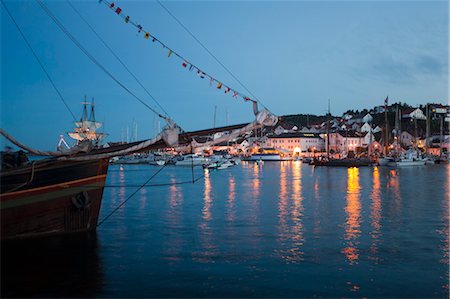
x=86, y=128
x=54, y=196
x=62, y=194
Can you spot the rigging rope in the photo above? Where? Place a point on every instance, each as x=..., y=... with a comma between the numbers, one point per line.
x=209, y=52
x=117, y=57
x=186, y=62
x=38, y=60
x=92, y=58
x=129, y=197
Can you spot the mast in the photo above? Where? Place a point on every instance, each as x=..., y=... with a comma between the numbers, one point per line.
x=328, y=130
x=427, y=134
x=441, y=137
x=84, y=117
x=386, y=130
x=92, y=116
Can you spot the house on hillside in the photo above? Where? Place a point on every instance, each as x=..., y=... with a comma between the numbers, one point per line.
x=366, y=128
x=367, y=118
x=406, y=139
x=285, y=128
x=413, y=113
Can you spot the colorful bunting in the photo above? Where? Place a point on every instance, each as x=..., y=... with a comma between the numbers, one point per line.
x=185, y=62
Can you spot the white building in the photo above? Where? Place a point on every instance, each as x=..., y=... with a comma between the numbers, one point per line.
x=414, y=113
x=367, y=118
x=296, y=142
x=348, y=141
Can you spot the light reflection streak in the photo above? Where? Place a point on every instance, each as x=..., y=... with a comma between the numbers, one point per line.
x=283, y=205
x=445, y=231
x=206, y=211
x=317, y=211
x=295, y=253
x=174, y=221
x=375, y=214
x=231, y=198
x=207, y=248
x=395, y=186
x=353, y=210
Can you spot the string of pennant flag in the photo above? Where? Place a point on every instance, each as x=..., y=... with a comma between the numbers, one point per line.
x=184, y=62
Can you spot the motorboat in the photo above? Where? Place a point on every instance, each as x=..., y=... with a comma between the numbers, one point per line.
x=410, y=158
x=269, y=154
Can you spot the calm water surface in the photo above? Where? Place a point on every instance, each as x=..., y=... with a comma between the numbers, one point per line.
x=274, y=230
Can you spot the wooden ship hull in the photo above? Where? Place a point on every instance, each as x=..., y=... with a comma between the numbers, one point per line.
x=51, y=197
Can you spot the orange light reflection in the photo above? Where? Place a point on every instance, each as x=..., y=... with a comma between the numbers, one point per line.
x=353, y=210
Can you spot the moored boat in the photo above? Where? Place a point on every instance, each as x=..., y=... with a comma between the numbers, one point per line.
x=269, y=154
x=347, y=162
x=51, y=197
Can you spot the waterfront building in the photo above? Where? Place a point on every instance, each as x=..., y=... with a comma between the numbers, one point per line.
x=296, y=143
x=344, y=141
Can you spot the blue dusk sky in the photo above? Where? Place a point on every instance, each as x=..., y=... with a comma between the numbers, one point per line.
x=292, y=55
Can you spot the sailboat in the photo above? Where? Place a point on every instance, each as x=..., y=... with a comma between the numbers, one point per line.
x=411, y=157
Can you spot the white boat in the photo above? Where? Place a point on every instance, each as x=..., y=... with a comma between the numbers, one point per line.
x=385, y=161
x=225, y=165
x=191, y=160
x=410, y=158
x=269, y=154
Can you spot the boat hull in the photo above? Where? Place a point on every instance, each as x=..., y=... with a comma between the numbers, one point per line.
x=406, y=163
x=62, y=197
x=343, y=163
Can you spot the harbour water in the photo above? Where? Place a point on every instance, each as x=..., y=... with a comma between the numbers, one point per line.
x=274, y=230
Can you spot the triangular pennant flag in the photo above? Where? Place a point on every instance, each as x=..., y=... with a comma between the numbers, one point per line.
x=147, y=35
x=127, y=19
x=219, y=85
x=170, y=53
x=118, y=10
x=184, y=64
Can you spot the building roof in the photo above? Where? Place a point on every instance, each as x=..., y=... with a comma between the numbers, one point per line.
x=296, y=135
x=352, y=134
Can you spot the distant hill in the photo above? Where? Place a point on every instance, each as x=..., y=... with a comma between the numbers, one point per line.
x=304, y=120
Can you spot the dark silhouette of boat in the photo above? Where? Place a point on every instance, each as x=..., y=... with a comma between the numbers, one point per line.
x=346, y=162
